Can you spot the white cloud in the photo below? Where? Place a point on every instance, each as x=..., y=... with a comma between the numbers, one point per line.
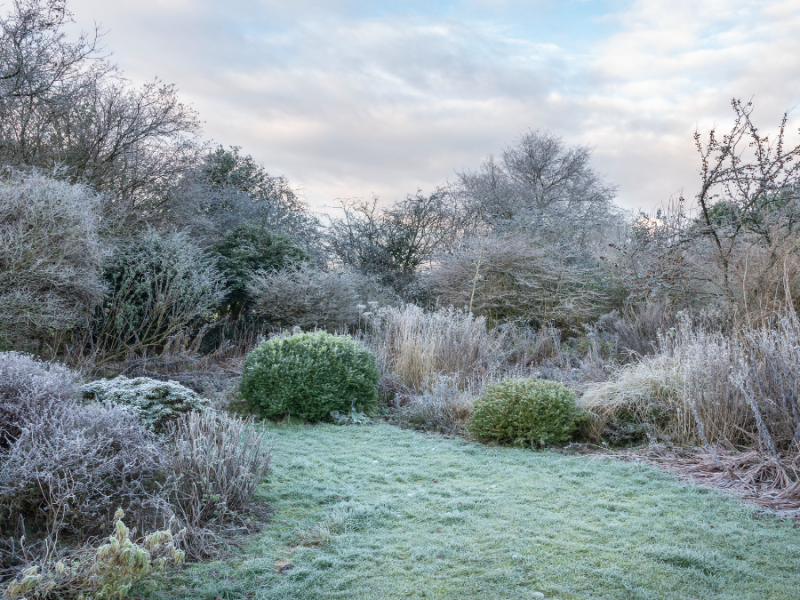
x=347, y=104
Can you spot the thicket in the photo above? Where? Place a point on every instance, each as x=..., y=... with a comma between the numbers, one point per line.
x=50, y=260
x=66, y=465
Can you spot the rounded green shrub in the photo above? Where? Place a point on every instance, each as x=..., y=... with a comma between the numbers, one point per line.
x=525, y=412
x=308, y=375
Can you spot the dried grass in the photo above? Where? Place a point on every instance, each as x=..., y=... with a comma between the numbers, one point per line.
x=418, y=347
x=219, y=461
x=685, y=386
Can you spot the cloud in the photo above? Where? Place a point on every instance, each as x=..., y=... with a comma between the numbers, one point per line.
x=351, y=98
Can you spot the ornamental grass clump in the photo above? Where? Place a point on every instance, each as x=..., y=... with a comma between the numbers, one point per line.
x=308, y=375
x=524, y=411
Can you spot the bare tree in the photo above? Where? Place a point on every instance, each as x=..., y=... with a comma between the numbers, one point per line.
x=63, y=106
x=539, y=183
x=737, y=244
x=35, y=60
x=395, y=242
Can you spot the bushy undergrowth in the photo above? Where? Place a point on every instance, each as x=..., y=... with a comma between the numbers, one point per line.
x=30, y=389
x=525, y=411
x=158, y=284
x=688, y=383
x=155, y=402
x=443, y=408
x=308, y=375
x=308, y=297
x=417, y=347
x=66, y=465
x=708, y=384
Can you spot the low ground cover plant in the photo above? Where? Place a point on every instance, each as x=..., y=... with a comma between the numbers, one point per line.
x=308, y=375
x=155, y=402
x=105, y=573
x=525, y=411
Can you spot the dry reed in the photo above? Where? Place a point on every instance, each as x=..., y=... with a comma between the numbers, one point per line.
x=418, y=347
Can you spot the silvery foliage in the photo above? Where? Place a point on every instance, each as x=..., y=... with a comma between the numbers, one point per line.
x=310, y=298
x=154, y=402
x=50, y=258
x=29, y=387
x=69, y=463
x=547, y=188
x=228, y=189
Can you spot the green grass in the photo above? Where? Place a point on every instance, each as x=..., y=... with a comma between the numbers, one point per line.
x=379, y=512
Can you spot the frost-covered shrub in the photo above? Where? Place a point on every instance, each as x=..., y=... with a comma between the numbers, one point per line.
x=30, y=388
x=525, y=412
x=154, y=402
x=243, y=251
x=443, y=408
x=158, y=284
x=66, y=464
x=49, y=259
x=220, y=461
x=308, y=375
x=307, y=297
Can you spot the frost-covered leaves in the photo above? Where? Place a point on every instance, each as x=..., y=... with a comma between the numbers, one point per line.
x=154, y=402
x=158, y=284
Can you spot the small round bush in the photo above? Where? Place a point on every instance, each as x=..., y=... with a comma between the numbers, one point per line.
x=308, y=375
x=525, y=412
x=154, y=402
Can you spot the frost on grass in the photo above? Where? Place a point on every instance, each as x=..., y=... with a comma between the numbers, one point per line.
x=156, y=403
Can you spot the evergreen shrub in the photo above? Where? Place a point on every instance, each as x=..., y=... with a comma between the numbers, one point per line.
x=245, y=250
x=525, y=411
x=308, y=375
x=154, y=402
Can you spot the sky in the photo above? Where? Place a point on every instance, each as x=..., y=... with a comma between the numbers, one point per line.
x=355, y=98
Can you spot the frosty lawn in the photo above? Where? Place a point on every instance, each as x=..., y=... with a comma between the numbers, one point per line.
x=379, y=512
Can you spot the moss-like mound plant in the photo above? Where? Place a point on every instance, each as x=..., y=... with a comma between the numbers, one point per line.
x=155, y=402
x=525, y=412
x=308, y=375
